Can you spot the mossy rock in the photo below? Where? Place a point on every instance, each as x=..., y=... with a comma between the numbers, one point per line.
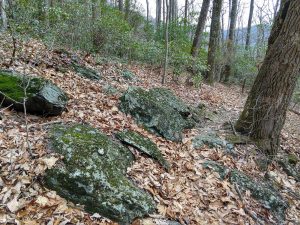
x=128, y=75
x=159, y=110
x=144, y=145
x=42, y=96
x=92, y=173
x=262, y=191
x=212, y=140
x=289, y=168
x=86, y=72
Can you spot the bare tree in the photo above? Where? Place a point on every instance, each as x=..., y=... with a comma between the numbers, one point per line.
x=147, y=4
x=264, y=113
x=3, y=14
x=249, y=25
x=121, y=5
x=166, y=42
x=186, y=9
x=214, y=40
x=158, y=14
x=200, y=28
x=230, y=41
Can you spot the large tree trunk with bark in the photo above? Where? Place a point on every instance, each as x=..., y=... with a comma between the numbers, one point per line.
x=264, y=113
x=200, y=28
x=214, y=40
x=249, y=25
x=230, y=41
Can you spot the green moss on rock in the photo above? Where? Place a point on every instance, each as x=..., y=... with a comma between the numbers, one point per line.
x=86, y=72
x=92, y=173
x=42, y=96
x=159, y=111
x=143, y=144
x=262, y=191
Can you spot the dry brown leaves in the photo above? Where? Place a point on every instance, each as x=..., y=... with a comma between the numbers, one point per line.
x=189, y=193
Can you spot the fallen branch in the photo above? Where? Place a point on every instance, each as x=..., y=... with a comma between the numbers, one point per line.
x=250, y=213
x=233, y=128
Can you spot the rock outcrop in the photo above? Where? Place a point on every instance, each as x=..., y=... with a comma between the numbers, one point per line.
x=92, y=173
x=158, y=110
x=41, y=96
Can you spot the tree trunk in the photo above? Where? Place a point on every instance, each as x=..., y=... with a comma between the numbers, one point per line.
x=166, y=43
x=214, y=39
x=127, y=9
x=121, y=5
x=3, y=14
x=200, y=28
x=147, y=3
x=249, y=25
x=186, y=7
x=230, y=41
x=265, y=110
x=158, y=14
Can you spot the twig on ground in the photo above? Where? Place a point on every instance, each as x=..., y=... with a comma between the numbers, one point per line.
x=233, y=128
x=250, y=213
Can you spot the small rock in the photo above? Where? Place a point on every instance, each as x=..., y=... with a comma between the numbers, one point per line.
x=143, y=144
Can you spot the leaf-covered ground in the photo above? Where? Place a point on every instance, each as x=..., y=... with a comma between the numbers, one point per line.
x=187, y=193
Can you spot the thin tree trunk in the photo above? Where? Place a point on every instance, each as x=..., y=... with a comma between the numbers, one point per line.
x=230, y=41
x=166, y=43
x=264, y=113
x=147, y=3
x=158, y=14
x=3, y=14
x=127, y=9
x=249, y=25
x=200, y=28
x=214, y=40
x=186, y=7
x=121, y=5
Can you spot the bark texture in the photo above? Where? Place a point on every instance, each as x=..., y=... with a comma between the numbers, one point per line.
x=214, y=39
x=265, y=110
x=200, y=28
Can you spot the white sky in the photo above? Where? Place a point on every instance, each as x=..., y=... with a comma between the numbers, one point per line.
x=267, y=7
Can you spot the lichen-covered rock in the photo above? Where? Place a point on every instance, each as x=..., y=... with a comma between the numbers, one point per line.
x=262, y=191
x=128, y=75
x=42, y=96
x=291, y=169
x=159, y=111
x=143, y=144
x=92, y=173
x=86, y=72
x=213, y=141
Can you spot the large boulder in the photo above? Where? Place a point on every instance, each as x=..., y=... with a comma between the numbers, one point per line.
x=262, y=191
x=159, y=110
x=92, y=173
x=144, y=145
x=42, y=96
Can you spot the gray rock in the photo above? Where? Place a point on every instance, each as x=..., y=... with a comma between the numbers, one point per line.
x=43, y=97
x=159, y=111
x=213, y=141
x=262, y=191
x=86, y=72
x=289, y=168
x=92, y=173
x=144, y=145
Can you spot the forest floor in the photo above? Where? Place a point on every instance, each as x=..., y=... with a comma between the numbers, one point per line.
x=188, y=193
